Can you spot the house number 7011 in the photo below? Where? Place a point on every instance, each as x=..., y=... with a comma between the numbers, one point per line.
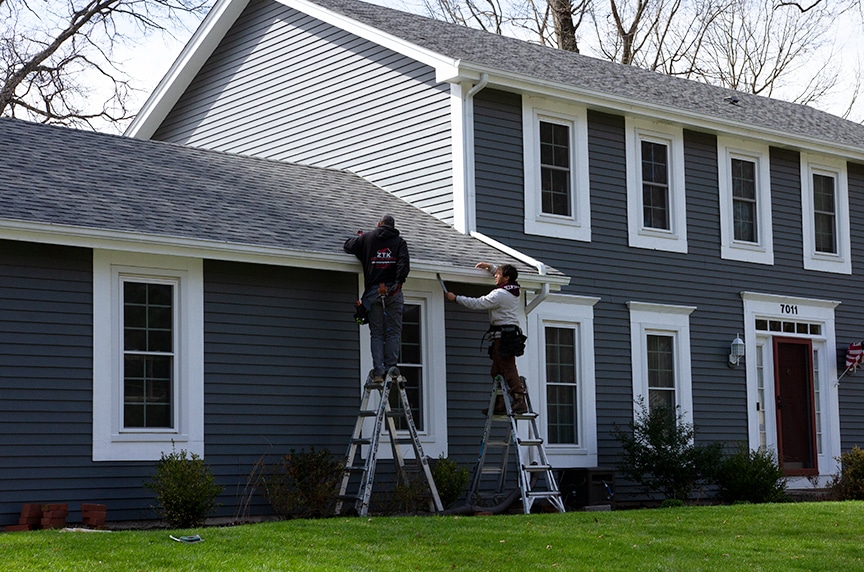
x=788, y=309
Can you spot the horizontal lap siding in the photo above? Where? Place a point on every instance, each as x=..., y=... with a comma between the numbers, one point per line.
x=285, y=86
x=282, y=367
x=46, y=387
x=606, y=267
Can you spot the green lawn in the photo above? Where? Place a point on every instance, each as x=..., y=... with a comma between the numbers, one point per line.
x=824, y=536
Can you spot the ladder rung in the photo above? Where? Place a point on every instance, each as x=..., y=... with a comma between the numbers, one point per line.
x=529, y=415
x=361, y=441
x=396, y=413
x=367, y=413
x=497, y=443
x=404, y=440
x=543, y=494
x=491, y=471
x=354, y=468
x=530, y=442
x=536, y=468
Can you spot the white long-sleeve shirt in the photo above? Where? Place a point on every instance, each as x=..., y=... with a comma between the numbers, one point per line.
x=502, y=305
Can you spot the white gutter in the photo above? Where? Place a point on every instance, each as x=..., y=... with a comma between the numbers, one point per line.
x=541, y=268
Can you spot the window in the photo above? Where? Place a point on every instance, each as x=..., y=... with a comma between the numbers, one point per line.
x=411, y=365
x=148, y=380
x=555, y=168
x=557, y=201
x=745, y=201
x=825, y=204
x=661, y=371
x=563, y=326
x=660, y=351
x=656, y=205
x=422, y=362
x=148, y=353
x=561, y=385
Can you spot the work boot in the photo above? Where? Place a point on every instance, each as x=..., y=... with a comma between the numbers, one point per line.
x=500, y=407
x=520, y=404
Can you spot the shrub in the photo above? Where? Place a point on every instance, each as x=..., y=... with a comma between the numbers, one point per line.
x=659, y=453
x=185, y=489
x=450, y=479
x=849, y=483
x=302, y=484
x=751, y=476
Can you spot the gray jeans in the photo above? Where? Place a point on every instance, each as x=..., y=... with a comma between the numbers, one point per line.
x=385, y=329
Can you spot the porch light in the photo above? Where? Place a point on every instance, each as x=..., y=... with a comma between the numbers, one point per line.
x=736, y=351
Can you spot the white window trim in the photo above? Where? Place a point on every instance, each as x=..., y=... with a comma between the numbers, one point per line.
x=840, y=263
x=770, y=306
x=578, y=225
x=433, y=438
x=762, y=251
x=664, y=319
x=110, y=441
x=674, y=239
x=560, y=310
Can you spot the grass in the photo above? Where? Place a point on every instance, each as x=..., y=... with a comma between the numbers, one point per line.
x=823, y=536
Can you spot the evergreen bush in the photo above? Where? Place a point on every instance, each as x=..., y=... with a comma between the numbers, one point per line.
x=185, y=489
x=302, y=484
x=450, y=479
x=660, y=454
x=849, y=483
x=752, y=476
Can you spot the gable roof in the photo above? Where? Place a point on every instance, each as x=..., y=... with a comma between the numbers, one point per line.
x=459, y=53
x=80, y=188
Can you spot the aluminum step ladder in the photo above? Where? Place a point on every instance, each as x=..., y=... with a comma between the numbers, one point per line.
x=536, y=477
x=383, y=420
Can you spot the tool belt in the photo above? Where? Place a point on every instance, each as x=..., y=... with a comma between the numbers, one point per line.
x=511, y=340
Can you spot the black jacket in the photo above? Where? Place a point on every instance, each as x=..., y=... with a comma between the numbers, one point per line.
x=384, y=255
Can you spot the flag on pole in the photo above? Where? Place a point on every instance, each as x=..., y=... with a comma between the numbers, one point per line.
x=854, y=356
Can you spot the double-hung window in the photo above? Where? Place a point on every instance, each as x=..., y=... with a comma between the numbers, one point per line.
x=555, y=139
x=745, y=201
x=563, y=327
x=660, y=353
x=148, y=356
x=825, y=208
x=656, y=204
x=421, y=362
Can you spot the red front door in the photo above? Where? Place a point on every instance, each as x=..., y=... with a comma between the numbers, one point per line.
x=796, y=418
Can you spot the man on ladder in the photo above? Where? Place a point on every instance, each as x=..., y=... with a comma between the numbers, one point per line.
x=508, y=342
x=505, y=335
x=386, y=263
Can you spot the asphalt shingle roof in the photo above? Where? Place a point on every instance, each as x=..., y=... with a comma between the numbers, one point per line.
x=61, y=176
x=546, y=64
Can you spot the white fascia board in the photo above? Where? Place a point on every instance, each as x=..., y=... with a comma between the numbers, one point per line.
x=445, y=67
x=81, y=237
x=184, y=69
x=640, y=108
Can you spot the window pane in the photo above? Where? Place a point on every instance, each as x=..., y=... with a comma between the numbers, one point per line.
x=824, y=214
x=555, y=168
x=661, y=372
x=561, y=413
x=561, y=385
x=744, y=200
x=147, y=391
x=411, y=366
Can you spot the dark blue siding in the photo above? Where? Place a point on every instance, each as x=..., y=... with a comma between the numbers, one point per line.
x=608, y=268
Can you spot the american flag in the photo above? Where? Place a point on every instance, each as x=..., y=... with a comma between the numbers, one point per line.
x=854, y=356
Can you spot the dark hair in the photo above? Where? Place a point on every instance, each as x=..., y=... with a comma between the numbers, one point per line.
x=509, y=271
x=387, y=220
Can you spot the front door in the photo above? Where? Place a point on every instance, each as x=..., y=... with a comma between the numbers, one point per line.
x=793, y=393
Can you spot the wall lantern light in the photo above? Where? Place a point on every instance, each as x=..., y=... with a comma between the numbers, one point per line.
x=736, y=351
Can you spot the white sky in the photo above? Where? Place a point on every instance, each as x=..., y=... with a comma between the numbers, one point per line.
x=148, y=62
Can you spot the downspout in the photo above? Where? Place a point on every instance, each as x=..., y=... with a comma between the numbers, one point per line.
x=468, y=219
x=541, y=268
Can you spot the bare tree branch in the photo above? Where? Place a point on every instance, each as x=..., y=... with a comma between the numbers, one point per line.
x=46, y=50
